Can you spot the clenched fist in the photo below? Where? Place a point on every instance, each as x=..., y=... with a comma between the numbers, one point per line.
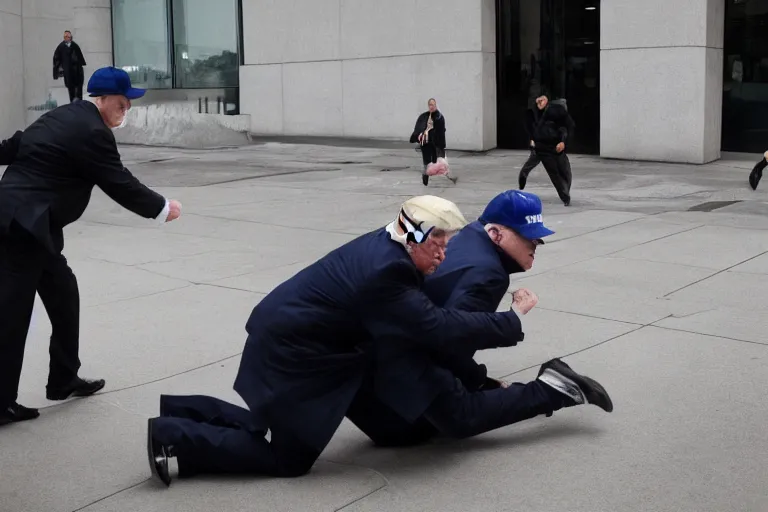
x=174, y=210
x=523, y=300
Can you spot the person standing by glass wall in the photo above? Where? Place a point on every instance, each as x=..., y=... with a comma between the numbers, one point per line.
x=68, y=62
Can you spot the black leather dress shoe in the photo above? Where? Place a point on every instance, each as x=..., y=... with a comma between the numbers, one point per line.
x=78, y=387
x=579, y=388
x=158, y=457
x=15, y=413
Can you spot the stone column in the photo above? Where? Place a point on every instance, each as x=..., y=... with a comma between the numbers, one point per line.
x=366, y=68
x=661, y=79
x=12, y=112
x=92, y=22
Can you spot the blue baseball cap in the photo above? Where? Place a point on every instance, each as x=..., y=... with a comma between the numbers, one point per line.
x=111, y=80
x=519, y=211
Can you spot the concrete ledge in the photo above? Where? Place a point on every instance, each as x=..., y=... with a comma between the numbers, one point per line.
x=179, y=125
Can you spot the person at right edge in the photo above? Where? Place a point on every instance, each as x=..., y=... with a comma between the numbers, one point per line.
x=54, y=165
x=549, y=126
x=757, y=171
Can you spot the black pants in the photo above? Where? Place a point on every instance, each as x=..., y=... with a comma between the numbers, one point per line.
x=430, y=153
x=528, y=166
x=208, y=435
x=558, y=168
x=455, y=413
x=75, y=91
x=27, y=267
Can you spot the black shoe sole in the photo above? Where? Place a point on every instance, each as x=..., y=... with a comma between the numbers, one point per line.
x=153, y=449
x=594, y=391
x=90, y=389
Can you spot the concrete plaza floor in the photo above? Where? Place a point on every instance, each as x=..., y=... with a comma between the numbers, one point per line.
x=655, y=284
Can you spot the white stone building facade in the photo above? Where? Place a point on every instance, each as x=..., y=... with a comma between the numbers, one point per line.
x=666, y=80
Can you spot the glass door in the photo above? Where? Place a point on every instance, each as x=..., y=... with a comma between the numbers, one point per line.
x=548, y=47
x=745, y=76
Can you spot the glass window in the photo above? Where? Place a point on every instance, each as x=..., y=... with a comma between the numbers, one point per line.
x=745, y=76
x=205, y=43
x=141, y=42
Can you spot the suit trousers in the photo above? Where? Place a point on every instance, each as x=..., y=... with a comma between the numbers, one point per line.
x=208, y=435
x=455, y=413
x=27, y=267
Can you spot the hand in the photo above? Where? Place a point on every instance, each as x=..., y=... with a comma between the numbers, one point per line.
x=174, y=210
x=421, y=136
x=500, y=383
x=533, y=144
x=491, y=383
x=523, y=300
x=560, y=147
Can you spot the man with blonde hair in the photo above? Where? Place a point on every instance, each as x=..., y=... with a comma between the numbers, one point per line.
x=310, y=344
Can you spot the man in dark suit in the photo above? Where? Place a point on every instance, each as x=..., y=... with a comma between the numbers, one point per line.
x=549, y=125
x=414, y=393
x=57, y=162
x=308, y=347
x=68, y=62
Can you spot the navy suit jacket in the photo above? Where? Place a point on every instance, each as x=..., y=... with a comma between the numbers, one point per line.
x=54, y=165
x=474, y=277
x=310, y=340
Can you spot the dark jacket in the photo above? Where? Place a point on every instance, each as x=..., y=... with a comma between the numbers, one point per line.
x=60, y=157
x=549, y=127
x=310, y=340
x=9, y=148
x=68, y=61
x=436, y=134
x=473, y=277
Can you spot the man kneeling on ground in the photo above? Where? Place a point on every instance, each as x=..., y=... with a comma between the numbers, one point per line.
x=310, y=344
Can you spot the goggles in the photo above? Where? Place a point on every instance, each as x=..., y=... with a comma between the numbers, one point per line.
x=413, y=230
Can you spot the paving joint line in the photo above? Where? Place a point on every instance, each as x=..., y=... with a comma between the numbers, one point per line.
x=274, y=225
x=596, y=230
x=153, y=381
x=591, y=316
x=384, y=485
x=613, y=253
x=110, y=496
x=612, y=338
x=751, y=342
x=715, y=274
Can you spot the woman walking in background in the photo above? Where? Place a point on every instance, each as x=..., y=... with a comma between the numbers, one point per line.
x=429, y=132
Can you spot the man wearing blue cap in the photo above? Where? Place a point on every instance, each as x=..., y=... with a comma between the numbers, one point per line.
x=413, y=394
x=54, y=166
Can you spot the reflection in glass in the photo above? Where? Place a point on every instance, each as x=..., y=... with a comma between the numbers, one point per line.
x=548, y=47
x=205, y=43
x=745, y=76
x=140, y=34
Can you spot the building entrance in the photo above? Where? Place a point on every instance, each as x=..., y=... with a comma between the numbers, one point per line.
x=548, y=47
